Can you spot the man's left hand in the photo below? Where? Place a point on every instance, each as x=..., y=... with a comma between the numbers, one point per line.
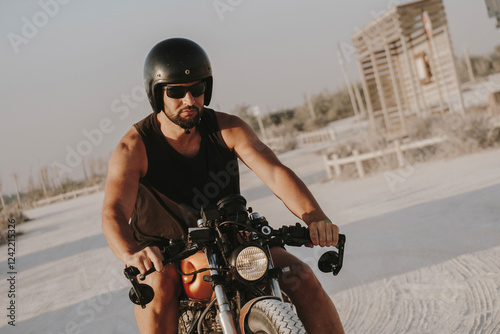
x=324, y=233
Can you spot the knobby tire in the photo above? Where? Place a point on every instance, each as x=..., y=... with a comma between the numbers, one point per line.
x=271, y=316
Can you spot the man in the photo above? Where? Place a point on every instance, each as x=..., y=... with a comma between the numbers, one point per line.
x=170, y=157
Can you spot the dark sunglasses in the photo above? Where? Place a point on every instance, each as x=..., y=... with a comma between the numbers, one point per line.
x=178, y=92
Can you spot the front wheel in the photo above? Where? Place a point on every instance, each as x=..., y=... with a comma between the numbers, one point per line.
x=271, y=316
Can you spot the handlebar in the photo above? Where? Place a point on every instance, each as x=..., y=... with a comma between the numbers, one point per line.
x=133, y=271
x=293, y=235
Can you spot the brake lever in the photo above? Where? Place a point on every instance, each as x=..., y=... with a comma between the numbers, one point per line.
x=170, y=259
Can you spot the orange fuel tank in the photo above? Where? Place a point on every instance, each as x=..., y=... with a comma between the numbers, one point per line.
x=194, y=285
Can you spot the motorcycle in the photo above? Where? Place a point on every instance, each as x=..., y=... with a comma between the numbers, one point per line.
x=241, y=293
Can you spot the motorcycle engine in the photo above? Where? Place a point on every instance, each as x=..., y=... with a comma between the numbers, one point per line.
x=213, y=322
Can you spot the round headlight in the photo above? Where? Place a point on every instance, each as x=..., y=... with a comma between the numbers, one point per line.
x=251, y=263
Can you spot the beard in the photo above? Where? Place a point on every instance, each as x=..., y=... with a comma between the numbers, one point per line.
x=184, y=123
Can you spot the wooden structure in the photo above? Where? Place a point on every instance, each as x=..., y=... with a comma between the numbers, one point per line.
x=68, y=195
x=493, y=7
x=407, y=65
x=335, y=163
x=494, y=102
x=322, y=135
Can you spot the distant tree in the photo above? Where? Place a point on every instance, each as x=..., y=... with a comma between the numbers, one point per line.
x=16, y=183
x=482, y=65
x=96, y=169
x=333, y=106
x=282, y=116
x=44, y=179
x=243, y=112
x=1, y=196
x=91, y=164
x=495, y=59
x=328, y=107
x=33, y=191
x=101, y=166
x=462, y=70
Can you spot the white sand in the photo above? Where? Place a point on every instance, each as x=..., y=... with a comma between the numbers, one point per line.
x=422, y=254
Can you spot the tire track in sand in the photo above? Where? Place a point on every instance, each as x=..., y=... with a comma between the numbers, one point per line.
x=461, y=295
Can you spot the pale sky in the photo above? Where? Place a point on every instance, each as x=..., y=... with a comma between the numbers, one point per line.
x=71, y=66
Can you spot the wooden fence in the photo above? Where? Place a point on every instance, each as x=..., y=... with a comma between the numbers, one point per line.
x=68, y=195
x=335, y=163
x=323, y=135
x=318, y=136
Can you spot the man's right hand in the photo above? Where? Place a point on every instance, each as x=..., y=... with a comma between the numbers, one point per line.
x=145, y=259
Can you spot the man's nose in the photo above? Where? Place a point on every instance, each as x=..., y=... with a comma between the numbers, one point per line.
x=188, y=99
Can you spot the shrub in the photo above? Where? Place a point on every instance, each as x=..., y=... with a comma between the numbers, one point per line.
x=8, y=213
x=464, y=134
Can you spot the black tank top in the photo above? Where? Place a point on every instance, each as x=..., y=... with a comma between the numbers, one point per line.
x=180, y=186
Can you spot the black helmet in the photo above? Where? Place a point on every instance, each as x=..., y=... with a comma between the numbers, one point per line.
x=175, y=60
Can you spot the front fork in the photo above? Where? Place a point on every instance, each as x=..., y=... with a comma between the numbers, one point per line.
x=226, y=317
x=273, y=282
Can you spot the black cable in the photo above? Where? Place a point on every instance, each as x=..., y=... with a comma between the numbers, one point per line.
x=204, y=314
x=200, y=271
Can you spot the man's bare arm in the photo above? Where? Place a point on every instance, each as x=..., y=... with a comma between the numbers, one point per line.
x=284, y=183
x=127, y=164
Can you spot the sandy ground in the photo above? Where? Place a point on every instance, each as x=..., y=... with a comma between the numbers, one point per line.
x=422, y=253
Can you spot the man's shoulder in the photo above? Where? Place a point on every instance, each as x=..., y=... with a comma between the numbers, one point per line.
x=227, y=121
x=130, y=153
x=146, y=122
x=131, y=142
x=234, y=130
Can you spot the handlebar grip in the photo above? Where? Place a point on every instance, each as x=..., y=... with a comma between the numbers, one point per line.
x=295, y=235
x=298, y=231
